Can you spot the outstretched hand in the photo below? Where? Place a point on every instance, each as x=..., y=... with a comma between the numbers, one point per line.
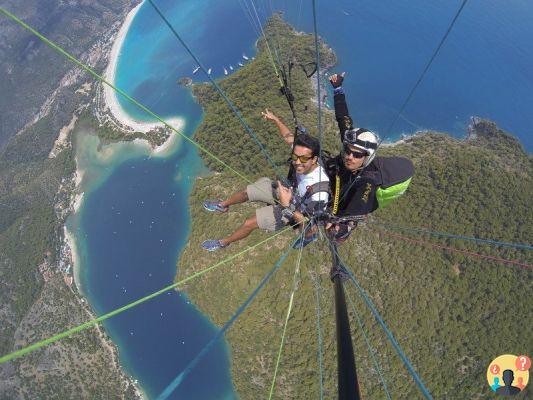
x=269, y=115
x=336, y=80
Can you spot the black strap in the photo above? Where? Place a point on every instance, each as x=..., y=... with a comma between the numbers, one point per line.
x=309, y=75
x=366, y=144
x=316, y=188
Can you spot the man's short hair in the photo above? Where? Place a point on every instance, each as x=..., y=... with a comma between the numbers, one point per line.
x=305, y=140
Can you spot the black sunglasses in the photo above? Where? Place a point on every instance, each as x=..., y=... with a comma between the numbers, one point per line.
x=355, y=154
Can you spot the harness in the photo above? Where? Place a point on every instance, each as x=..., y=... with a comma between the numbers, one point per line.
x=311, y=208
x=316, y=188
x=332, y=168
x=394, y=178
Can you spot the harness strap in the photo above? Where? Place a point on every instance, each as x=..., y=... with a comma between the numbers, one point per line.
x=311, y=190
x=337, y=194
x=316, y=188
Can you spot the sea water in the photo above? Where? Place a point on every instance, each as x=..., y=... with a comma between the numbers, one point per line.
x=135, y=222
x=483, y=68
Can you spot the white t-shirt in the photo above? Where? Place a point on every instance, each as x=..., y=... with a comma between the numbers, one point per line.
x=315, y=176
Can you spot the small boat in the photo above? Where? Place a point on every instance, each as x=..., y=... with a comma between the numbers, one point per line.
x=346, y=13
x=244, y=56
x=225, y=71
x=231, y=67
x=253, y=58
x=195, y=70
x=209, y=71
x=241, y=64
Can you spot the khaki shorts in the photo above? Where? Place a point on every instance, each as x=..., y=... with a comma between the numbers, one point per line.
x=269, y=218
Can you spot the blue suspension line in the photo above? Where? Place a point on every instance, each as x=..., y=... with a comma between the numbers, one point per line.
x=453, y=236
x=393, y=341
x=319, y=100
x=248, y=14
x=421, y=77
x=219, y=90
x=370, y=348
x=317, y=56
x=179, y=379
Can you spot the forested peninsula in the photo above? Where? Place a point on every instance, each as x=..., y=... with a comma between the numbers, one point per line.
x=451, y=313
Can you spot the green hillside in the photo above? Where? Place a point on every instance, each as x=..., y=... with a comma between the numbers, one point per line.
x=36, y=189
x=451, y=313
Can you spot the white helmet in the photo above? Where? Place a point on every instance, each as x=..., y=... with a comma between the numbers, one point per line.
x=365, y=140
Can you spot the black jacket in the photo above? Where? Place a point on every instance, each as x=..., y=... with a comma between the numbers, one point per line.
x=358, y=190
x=341, y=114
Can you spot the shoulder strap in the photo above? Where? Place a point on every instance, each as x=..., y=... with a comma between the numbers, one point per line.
x=318, y=187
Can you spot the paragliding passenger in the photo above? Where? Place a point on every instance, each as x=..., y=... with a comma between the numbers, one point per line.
x=309, y=192
x=361, y=181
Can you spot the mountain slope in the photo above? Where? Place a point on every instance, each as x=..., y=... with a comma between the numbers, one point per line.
x=451, y=313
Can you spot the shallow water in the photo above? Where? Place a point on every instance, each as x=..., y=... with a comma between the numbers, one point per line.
x=135, y=220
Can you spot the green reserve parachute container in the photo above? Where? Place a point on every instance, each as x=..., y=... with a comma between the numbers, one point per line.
x=396, y=175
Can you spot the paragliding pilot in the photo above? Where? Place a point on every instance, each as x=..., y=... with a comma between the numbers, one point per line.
x=360, y=181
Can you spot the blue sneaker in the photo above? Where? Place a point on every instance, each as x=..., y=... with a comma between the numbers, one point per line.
x=213, y=206
x=302, y=242
x=213, y=245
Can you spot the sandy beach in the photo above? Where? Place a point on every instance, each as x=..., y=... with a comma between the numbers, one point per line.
x=71, y=242
x=110, y=96
x=168, y=147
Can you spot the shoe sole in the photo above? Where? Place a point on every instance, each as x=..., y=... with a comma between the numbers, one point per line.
x=214, y=249
x=211, y=249
x=218, y=211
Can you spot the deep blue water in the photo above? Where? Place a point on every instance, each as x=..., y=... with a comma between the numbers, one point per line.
x=153, y=60
x=133, y=225
x=483, y=69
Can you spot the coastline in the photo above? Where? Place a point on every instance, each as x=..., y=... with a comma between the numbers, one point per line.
x=73, y=258
x=69, y=259
x=111, y=103
x=110, y=98
x=78, y=194
x=161, y=149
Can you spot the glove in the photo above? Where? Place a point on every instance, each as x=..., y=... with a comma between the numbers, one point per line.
x=336, y=80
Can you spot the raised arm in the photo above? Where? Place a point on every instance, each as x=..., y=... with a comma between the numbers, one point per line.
x=341, y=108
x=285, y=132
